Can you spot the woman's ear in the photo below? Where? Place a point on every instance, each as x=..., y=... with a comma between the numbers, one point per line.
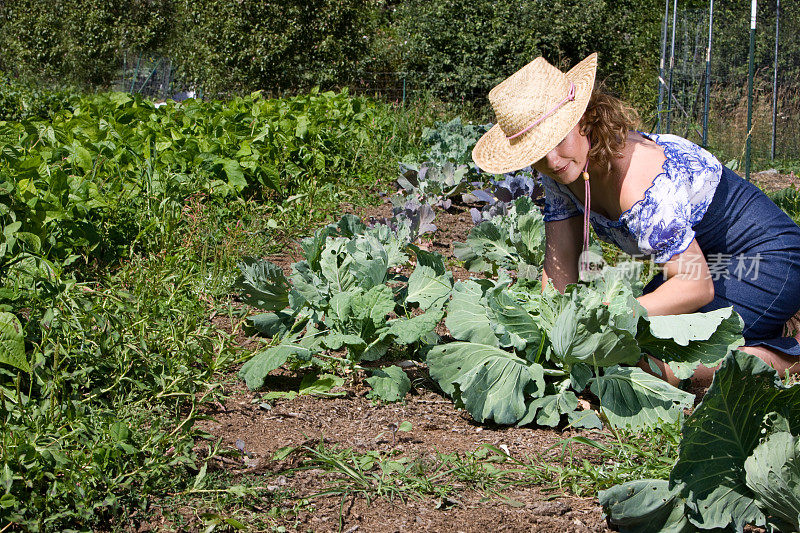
x=583, y=128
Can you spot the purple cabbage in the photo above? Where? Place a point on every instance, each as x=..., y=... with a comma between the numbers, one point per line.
x=501, y=193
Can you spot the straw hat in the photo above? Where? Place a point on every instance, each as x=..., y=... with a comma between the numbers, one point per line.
x=520, y=101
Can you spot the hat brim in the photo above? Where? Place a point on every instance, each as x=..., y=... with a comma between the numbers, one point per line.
x=496, y=154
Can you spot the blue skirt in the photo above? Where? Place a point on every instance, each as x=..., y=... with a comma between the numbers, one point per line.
x=753, y=252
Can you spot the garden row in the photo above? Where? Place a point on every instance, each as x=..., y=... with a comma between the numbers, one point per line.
x=121, y=225
x=94, y=180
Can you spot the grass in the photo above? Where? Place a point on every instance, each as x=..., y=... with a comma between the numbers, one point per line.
x=728, y=126
x=788, y=200
x=122, y=366
x=374, y=475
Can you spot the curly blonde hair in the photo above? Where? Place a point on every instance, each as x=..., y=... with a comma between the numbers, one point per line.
x=607, y=120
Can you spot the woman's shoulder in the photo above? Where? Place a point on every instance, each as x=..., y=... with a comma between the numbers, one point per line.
x=669, y=175
x=683, y=153
x=643, y=163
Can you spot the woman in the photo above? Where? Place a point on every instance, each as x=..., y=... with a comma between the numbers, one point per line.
x=720, y=241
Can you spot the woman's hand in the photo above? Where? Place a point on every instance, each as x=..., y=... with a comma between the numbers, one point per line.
x=688, y=286
x=562, y=251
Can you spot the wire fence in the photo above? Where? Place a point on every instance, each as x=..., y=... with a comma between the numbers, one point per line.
x=156, y=78
x=147, y=75
x=775, y=127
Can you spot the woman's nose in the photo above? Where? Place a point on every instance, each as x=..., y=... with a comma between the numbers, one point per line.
x=551, y=158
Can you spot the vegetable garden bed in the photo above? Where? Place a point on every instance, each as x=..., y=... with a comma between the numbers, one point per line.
x=410, y=374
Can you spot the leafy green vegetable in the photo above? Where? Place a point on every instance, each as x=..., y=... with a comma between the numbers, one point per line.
x=343, y=296
x=629, y=396
x=584, y=337
x=431, y=283
x=390, y=384
x=491, y=383
x=647, y=506
x=263, y=285
x=255, y=371
x=720, y=435
x=726, y=476
x=431, y=183
x=686, y=341
x=451, y=141
x=468, y=315
x=311, y=385
x=514, y=241
x=772, y=472
x=12, y=342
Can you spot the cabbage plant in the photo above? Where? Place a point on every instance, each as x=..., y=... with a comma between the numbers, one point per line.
x=738, y=464
x=513, y=241
x=499, y=196
x=523, y=354
x=347, y=294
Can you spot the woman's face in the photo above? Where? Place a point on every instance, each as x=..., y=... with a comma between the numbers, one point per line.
x=565, y=162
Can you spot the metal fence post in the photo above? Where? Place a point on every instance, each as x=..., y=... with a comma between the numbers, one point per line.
x=775, y=83
x=135, y=73
x=708, y=72
x=753, y=10
x=661, y=72
x=671, y=65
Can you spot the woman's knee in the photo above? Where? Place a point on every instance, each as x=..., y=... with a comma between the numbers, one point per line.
x=780, y=361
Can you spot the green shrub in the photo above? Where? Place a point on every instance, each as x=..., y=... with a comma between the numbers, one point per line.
x=80, y=42
x=20, y=101
x=235, y=46
x=462, y=49
x=455, y=49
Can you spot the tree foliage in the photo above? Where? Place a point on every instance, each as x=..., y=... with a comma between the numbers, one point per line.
x=465, y=48
x=454, y=48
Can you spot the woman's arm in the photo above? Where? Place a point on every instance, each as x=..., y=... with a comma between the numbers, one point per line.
x=688, y=286
x=562, y=251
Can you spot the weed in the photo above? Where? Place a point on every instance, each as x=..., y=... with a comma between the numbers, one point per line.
x=625, y=456
x=373, y=474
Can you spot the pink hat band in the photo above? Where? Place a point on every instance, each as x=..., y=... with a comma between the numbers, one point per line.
x=569, y=98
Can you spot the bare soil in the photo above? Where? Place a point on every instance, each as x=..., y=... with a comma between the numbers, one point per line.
x=358, y=423
x=772, y=180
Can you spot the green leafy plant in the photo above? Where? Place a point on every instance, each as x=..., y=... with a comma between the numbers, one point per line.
x=451, y=141
x=789, y=201
x=514, y=241
x=737, y=463
x=343, y=296
x=113, y=172
x=20, y=101
x=523, y=353
x=103, y=416
x=432, y=183
x=12, y=342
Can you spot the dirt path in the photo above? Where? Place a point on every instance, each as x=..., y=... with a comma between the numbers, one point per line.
x=357, y=423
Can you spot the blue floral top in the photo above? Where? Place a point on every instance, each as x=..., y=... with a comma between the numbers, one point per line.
x=660, y=224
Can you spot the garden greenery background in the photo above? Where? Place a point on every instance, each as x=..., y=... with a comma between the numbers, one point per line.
x=457, y=49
